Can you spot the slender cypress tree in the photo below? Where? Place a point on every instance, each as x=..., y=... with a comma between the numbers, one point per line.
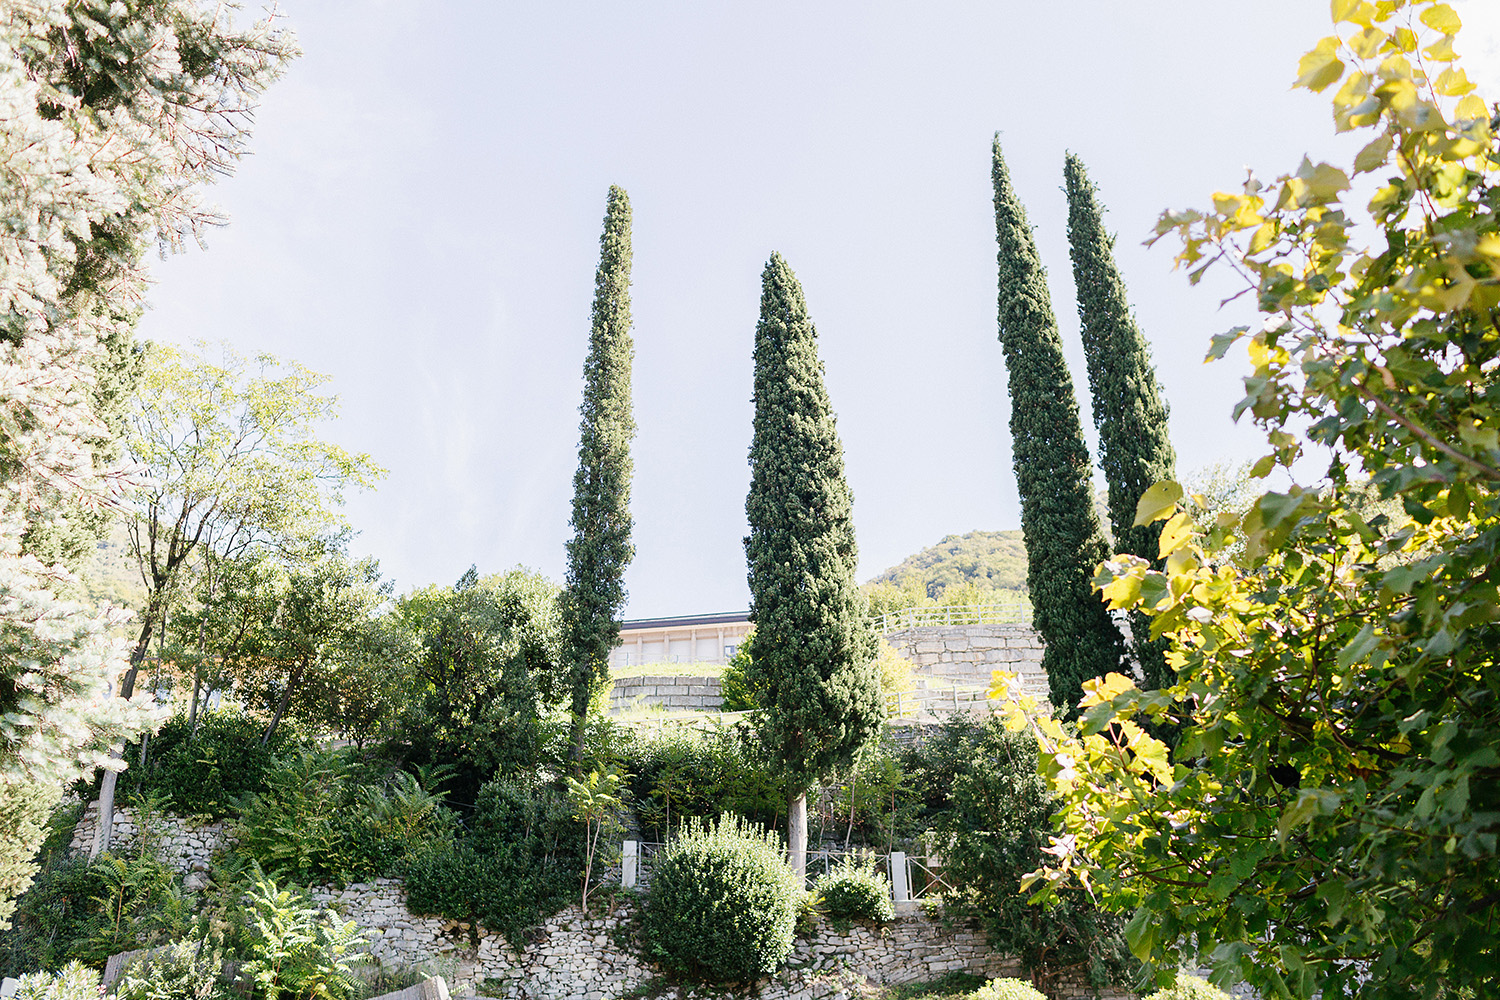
x=1064, y=541
x=812, y=653
x=1135, y=448
x=601, y=548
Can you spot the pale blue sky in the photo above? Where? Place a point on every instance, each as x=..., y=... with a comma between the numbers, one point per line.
x=420, y=220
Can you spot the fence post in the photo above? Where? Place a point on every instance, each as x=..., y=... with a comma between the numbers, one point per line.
x=900, y=887
x=630, y=864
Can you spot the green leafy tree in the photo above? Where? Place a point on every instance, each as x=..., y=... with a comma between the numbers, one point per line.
x=1328, y=823
x=115, y=117
x=1135, y=445
x=485, y=675
x=1064, y=541
x=601, y=548
x=812, y=654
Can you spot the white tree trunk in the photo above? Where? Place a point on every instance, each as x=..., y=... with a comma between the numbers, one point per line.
x=796, y=834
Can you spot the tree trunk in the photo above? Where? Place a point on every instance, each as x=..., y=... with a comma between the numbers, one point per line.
x=104, y=832
x=286, y=696
x=796, y=834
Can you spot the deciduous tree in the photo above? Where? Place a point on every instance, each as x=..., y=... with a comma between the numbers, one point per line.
x=812, y=654
x=1064, y=541
x=1135, y=444
x=601, y=548
x=1328, y=823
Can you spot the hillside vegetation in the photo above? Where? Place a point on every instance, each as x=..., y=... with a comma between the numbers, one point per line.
x=989, y=560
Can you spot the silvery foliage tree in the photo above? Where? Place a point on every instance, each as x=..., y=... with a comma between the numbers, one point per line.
x=111, y=117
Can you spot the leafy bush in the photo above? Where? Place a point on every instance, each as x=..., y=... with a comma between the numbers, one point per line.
x=854, y=890
x=681, y=773
x=204, y=776
x=734, y=682
x=187, y=970
x=993, y=818
x=1190, y=988
x=314, y=823
x=723, y=903
x=1007, y=989
x=76, y=909
x=75, y=981
x=297, y=949
x=520, y=861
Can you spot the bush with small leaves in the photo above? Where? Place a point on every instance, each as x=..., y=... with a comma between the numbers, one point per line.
x=187, y=970
x=723, y=903
x=1190, y=988
x=1007, y=989
x=75, y=981
x=854, y=890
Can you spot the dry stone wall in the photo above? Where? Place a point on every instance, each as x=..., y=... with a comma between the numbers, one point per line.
x=181, y=844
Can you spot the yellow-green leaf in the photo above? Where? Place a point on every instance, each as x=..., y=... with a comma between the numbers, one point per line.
x=1374, y=155
x=1159, y=500
x=1320, y=67
x=1442, y=18
x=1453, y=82
x=1177, y=532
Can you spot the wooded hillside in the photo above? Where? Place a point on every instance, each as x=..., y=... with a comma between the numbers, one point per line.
x=991, y=560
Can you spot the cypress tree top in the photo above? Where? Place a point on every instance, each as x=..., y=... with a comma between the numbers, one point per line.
x=1135, y=449
x=812, y=652
x=601, y=548
x=1064, y=541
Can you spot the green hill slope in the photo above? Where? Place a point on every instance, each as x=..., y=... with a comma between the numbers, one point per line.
x=990, y=560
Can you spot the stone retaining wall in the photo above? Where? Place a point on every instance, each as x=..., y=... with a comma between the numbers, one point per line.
x=967, y=654
x=676, y=694
x=181, y=844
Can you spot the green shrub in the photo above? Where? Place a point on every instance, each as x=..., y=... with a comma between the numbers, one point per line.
x=75, y=981
x=520, y=861
x=296, y=949
x=187, y=970
x=1190, y=988
x=680, y=773
x=224, y=761
x=854, y=890
x=722, y=903
x=734, y=682
x=1007, y=989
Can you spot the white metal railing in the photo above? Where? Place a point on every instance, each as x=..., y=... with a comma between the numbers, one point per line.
x=1008, y=612
x=912, y=877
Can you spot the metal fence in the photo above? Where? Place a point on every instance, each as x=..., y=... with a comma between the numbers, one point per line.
x=1008, y=612
x=912, y=877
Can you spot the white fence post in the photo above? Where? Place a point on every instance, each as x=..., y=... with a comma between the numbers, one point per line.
x=900, y=887
x=630, y=864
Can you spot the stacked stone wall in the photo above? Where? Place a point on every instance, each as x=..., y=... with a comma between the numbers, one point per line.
x=676, y=694
x=968, y=654
x=181, y=844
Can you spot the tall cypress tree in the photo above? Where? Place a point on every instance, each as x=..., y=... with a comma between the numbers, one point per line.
x=1064, y=541
x=1135, y=447
x=812, y=652
x=594, y=596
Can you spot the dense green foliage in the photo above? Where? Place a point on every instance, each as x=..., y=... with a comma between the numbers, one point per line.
x=680, y=773
x=184, y=970
x=993, y=560
x=812, y=652
x=1329, y=822
x=225, y=759
x=1064, y=541
x=74, y=981
x=485, y=677
x=1135, y=446
x=297, y=950
x=601, y=548
x=855, y=890
x=723, y=903
x=993, y=821
x=520, y=862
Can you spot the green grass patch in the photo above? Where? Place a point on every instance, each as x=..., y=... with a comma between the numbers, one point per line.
x=668, y=670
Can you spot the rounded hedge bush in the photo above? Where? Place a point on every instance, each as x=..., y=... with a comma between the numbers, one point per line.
x=855, y=891
x=722, y=904
x=1190, y=988
x=1007, y=989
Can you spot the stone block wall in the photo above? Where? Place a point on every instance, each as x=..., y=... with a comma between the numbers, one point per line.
x=181, y=844
x=967, y=654
x=675, y=694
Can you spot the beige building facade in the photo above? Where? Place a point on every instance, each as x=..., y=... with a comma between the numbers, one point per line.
x=706, y=639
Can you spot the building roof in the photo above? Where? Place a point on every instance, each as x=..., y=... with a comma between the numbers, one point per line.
x=726, y=618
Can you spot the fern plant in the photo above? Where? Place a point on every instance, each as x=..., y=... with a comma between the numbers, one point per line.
x=298, y=952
